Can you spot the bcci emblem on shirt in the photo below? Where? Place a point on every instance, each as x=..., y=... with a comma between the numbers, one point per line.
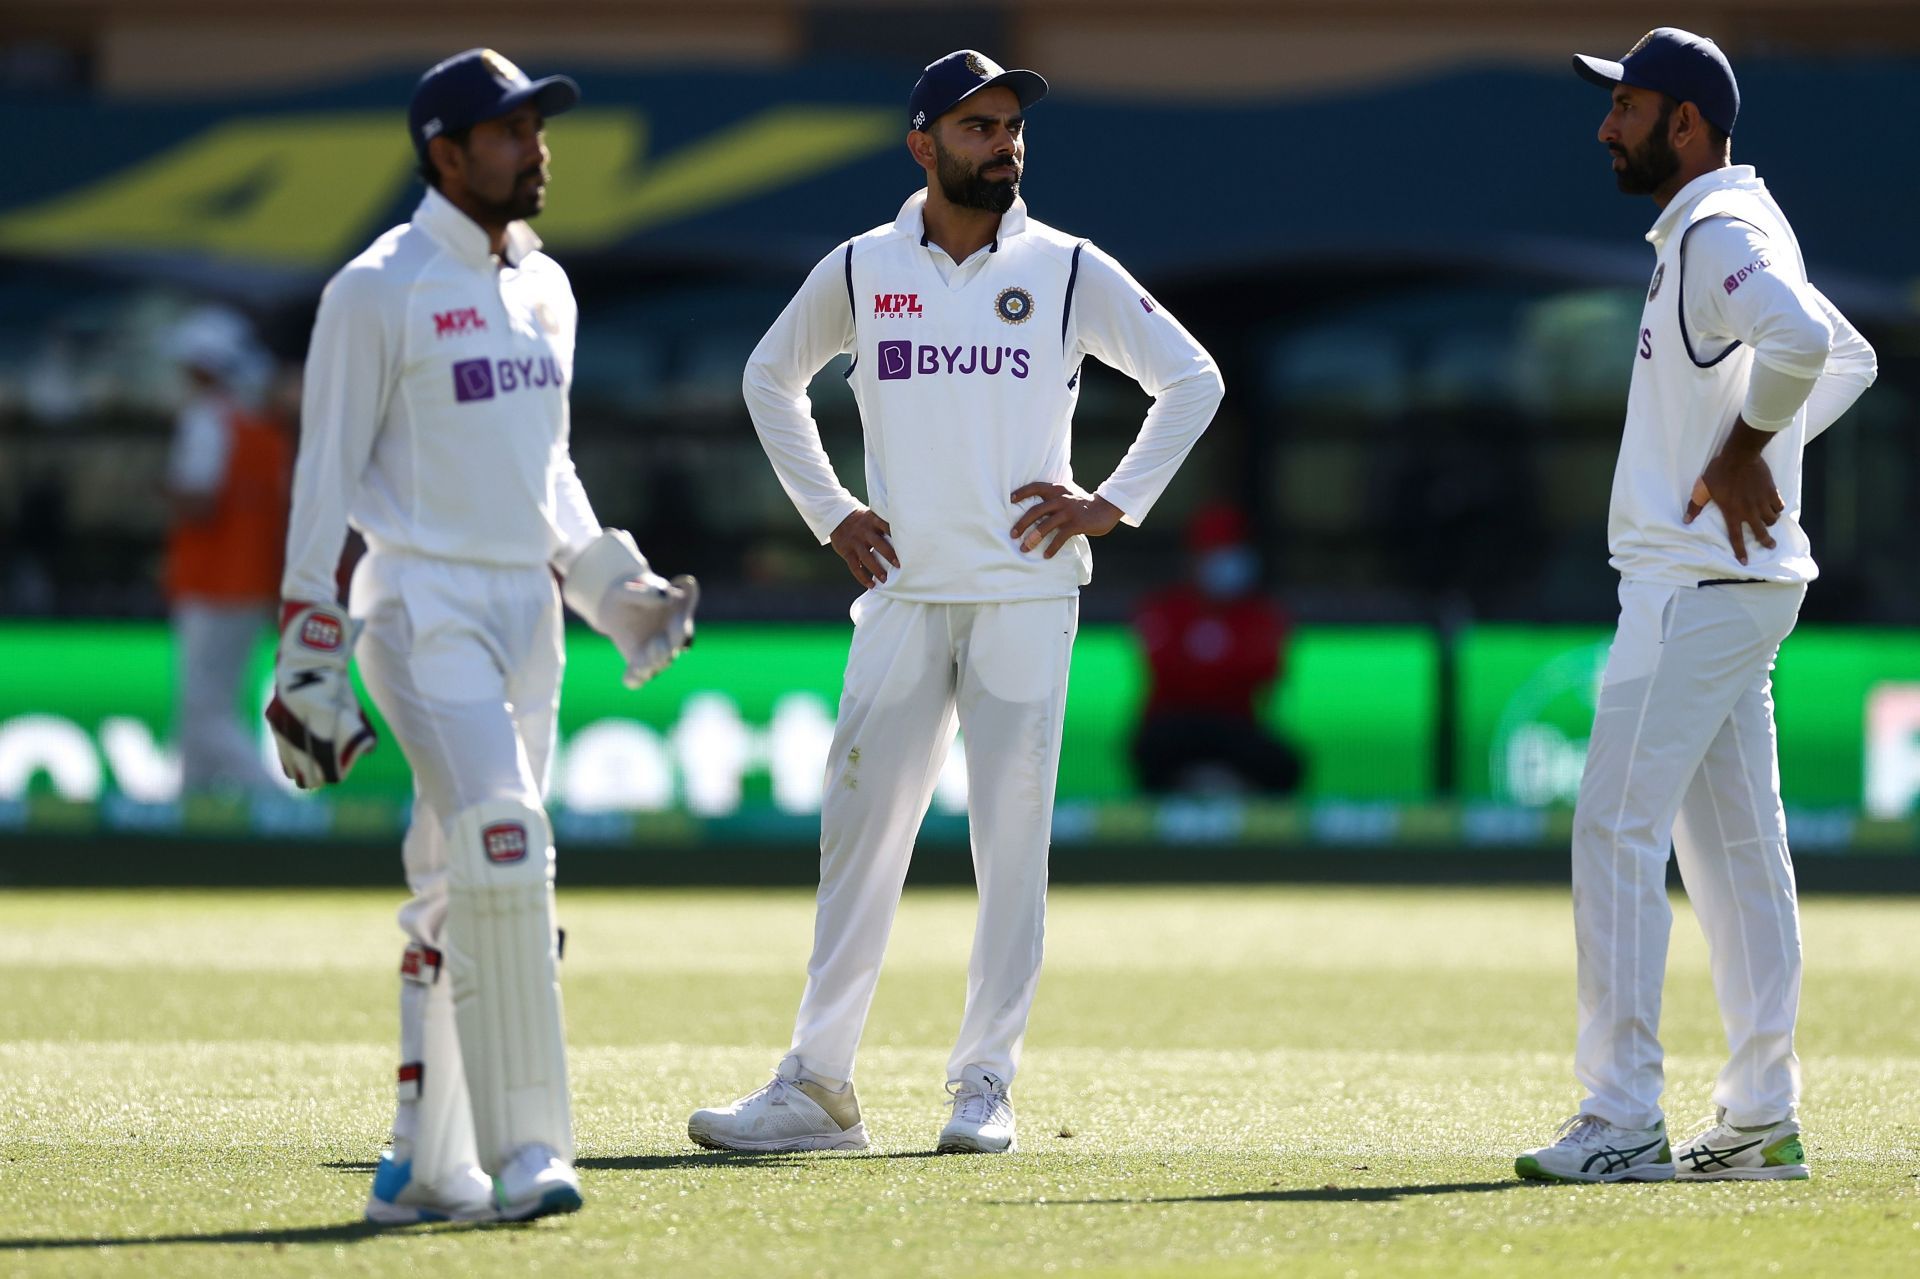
x=1013, y=305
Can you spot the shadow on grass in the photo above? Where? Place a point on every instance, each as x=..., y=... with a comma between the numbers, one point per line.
x=341, y=1232
x=1305, y=1194
x=696, y=1158
x=741, y=1159
x=691, y=1159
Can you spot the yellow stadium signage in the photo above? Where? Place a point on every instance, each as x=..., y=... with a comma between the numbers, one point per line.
x=304, y=190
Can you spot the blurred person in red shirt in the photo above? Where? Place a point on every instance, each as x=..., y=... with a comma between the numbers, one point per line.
x=229, y=471
x=1214, y=648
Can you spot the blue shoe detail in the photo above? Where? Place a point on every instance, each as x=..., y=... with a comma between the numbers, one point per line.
x=560, y=1199
x=557, y=1200
x=390, y=1178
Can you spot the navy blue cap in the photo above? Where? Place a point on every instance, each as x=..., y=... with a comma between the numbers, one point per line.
x=960, y=75
x=479, y=85
x=1680, y=64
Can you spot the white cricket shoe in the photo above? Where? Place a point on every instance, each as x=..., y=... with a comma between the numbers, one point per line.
x=1771, y=1152
x=982, y=1122
x=398, y=1200
x=787, y=1113
x=535, y=1182
x=1588, y=1148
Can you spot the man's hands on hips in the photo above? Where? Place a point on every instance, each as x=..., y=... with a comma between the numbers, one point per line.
x=1061, y=514
x=1739, y=480
x=318, y=726
x=862, y=541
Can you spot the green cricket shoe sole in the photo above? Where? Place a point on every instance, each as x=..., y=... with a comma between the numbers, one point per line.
x=1784, y=1160
x=1528, y=1168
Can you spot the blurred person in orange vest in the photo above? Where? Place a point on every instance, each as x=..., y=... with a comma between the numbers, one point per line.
x=228, y=476
x=1214, y=647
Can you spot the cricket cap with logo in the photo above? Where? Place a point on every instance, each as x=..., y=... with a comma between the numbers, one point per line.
x=947, y=83
x=479, y=85
x=1680, y=64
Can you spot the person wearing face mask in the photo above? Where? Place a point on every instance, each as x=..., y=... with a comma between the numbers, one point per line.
x=1215, y=647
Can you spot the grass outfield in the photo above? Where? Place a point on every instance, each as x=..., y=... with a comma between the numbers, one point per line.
x=1218, y=1081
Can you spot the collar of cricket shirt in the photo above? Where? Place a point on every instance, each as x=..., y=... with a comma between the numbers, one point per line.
x=913, y=219
x=461, y=236
x=1733, y=175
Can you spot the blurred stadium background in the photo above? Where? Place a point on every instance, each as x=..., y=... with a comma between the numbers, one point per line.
x=1388, y=219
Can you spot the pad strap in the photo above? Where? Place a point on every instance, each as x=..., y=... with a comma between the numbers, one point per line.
x=420, y=964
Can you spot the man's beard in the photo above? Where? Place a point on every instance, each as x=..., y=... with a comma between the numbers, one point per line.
x=1648, y=169
x=970, y=189
x=525, y=201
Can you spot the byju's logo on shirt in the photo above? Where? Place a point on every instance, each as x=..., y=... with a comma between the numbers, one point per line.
x=897, y=306
x=1739, y=277
x=483, y=379
x=901, y=360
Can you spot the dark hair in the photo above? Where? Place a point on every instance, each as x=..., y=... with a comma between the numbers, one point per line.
x=426, y=170
x=1715, y=135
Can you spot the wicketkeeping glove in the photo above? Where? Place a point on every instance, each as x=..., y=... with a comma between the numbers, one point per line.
x=648, y=618
x=317, y=722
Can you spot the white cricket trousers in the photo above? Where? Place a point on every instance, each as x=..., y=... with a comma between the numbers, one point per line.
x=1001, y=669
x=464, y=662
x=213, y=643
x=1683, y=753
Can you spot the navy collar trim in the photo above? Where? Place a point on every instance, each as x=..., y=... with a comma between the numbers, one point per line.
x=993, y=247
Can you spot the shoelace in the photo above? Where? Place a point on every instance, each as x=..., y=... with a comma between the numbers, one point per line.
x=1578, y=1128
x=1716, y=1120
x=976, y=1106
x=778, y=1091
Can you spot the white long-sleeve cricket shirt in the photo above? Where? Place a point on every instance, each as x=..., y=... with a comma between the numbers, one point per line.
x=435, y=417
x=966, y=377
x=1731, y=327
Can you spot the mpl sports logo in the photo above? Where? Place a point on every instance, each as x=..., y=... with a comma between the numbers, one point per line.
x=1741, y=276
x=504, y=843
x=454, y=323
x=897, y=306
x=484, y=379
x=898, y=361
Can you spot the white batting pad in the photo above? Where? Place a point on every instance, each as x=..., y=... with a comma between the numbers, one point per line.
x=506, y=993
x=433, y=1124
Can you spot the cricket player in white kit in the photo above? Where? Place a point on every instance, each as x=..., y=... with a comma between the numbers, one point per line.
x=1739, y=363
x=436, y=423
x=968, y=322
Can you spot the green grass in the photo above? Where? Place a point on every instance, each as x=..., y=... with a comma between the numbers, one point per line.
x=1217, y=1081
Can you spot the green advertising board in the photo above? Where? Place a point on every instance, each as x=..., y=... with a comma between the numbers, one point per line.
x=1847, y=703
x=742, y=723
x=728, y=749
